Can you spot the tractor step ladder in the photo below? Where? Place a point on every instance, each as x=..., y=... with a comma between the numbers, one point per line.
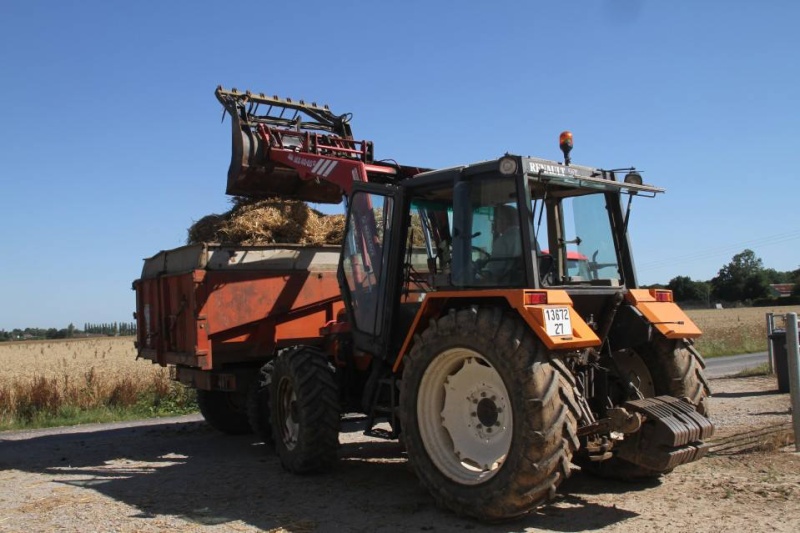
x=387, y=389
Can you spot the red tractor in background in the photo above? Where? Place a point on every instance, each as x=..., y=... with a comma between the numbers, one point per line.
x=489, y=313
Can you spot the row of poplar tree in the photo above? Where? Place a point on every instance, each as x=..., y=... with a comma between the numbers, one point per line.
x=111, y=328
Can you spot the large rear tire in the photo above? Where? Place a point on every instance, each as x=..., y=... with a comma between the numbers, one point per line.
x=668, y=367
x=304, y=410
x=224, y=411
x=489, y=421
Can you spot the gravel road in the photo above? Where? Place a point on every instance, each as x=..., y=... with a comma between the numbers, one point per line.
x=178, y=474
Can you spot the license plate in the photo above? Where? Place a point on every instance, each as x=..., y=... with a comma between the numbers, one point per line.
x=557, y=322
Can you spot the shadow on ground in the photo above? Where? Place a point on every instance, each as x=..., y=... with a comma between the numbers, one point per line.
x=745, y=394
x=189, y=470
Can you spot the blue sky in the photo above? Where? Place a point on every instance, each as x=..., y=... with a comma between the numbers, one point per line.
x=111, y=143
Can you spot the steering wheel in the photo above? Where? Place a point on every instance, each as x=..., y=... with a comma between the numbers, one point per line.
x=479, y=263
x=484, y=255
x=594, y=266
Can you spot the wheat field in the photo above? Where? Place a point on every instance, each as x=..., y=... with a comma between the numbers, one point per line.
x=42, y=380
x=107, y=357
x=735, y=330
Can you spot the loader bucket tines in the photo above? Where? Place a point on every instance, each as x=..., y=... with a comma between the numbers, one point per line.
x=260, y=124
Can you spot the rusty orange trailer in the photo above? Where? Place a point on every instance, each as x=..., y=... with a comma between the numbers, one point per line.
x=208, y=308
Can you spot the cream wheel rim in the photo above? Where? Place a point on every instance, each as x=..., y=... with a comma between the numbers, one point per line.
x=465, y=416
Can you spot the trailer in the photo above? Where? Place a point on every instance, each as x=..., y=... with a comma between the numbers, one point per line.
x=217, y=313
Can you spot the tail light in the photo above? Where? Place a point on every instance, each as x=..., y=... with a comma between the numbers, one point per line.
x=535, y=298
x=661, y=295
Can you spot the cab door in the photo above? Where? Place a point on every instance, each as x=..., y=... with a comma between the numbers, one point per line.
x=370, y=263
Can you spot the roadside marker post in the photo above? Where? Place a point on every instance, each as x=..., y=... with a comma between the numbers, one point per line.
x=793, y=352
x=770, y=330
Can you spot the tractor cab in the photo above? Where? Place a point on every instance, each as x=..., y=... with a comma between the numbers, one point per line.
x=524, y=222
x=510, y=223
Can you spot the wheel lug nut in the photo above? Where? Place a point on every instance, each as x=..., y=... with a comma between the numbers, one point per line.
x=474, y=414
x=483, y=395
x=479, y=426
x=488, y=430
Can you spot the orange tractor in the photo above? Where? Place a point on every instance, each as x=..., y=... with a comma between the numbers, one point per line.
x=487, y=314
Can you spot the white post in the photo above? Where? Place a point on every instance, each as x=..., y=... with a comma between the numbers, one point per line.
x=793, y=353
x=770, y=355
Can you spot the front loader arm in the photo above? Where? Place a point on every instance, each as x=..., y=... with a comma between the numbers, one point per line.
x=296, y=150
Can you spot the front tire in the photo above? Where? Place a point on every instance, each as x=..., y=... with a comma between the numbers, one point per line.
x=670, y=367
x=304, y=410
x=679, y=370
x=487, y=418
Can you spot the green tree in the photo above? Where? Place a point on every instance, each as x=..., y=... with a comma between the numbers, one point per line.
x=795, y=278
x=744, y=278
x=684, y=289
x=775, y=276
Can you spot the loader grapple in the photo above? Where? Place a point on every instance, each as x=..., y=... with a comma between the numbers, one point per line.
x=265, y=126
x=672, y=434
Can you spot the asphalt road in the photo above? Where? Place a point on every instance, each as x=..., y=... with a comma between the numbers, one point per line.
x=717, y=367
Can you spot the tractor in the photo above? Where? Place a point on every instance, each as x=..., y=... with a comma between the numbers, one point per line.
x=487, y=315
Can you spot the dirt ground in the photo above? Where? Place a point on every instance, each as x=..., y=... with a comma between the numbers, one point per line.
x=180, y=475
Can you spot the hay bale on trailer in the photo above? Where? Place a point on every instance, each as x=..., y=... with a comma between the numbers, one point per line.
x=268, y=221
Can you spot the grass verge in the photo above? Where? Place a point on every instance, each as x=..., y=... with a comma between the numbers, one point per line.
x=760, y=370
x=47, y=402
x=710, y=346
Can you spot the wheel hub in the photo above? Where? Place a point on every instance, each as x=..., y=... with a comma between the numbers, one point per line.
x=633, y=369
x=476, y=417
x=487, y=412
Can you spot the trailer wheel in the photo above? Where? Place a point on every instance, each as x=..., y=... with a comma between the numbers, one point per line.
x=304, y=410
x=258, y=405
x=224, y=411
x=489, y=420
x=673, y=368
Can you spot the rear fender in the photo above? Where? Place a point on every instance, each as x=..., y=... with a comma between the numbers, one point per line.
x=657, y=308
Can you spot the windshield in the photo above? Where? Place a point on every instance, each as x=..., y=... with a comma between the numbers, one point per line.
x=475, y=234
x=574, y=239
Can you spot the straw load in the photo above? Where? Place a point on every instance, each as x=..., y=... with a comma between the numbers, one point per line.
x=268, y=221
